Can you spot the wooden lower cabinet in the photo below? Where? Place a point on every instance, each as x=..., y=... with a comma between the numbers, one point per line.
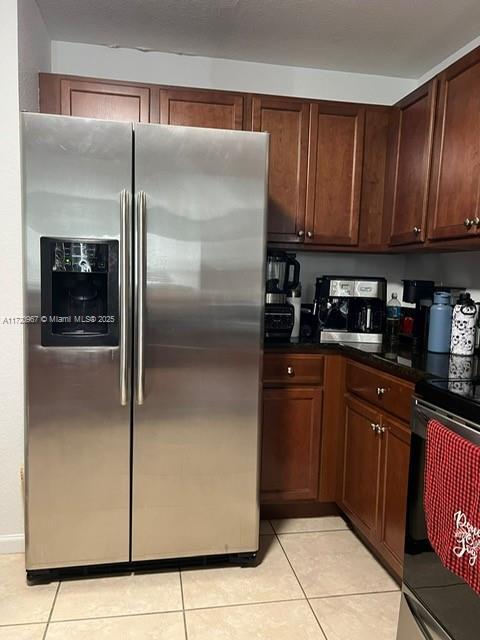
x=393, y=490
x=361, y=468
x=375, y=478
x=292, y=419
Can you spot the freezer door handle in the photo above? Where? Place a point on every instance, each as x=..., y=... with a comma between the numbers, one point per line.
x=124, y=293
x=140, y=293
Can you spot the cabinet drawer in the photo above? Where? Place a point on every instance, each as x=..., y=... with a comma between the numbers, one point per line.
x=286, y=368
x=380, y=389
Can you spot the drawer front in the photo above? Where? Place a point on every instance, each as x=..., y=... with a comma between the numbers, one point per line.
x=285, y=368
x=380, y=389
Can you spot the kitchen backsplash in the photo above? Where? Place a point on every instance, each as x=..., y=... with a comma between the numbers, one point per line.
x=454, y=269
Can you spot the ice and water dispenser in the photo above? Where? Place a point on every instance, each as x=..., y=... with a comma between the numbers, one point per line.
x=80, y=297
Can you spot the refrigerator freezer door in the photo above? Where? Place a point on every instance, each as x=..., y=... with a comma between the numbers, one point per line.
x=77, y=423
x=196, y=429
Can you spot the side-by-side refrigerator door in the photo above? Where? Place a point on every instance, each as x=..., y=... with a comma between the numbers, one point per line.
x=200, y=244
x=77, y=177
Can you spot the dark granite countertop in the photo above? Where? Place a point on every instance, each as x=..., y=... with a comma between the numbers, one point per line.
x=404, y=363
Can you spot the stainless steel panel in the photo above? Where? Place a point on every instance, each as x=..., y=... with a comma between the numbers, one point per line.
x=369, y=289
x=140, y=296
x=196, y=437
x=415, y=622
x=125, y=304
x=423, y=412
x=77, y=431
x=342, y=288
x=350, y=336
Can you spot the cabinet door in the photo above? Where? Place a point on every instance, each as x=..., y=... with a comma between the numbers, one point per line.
x=290, y=443
x=197, y=108
x=455, y=179
x=395, y=462
x=335, y=173
x=287, y=123
x=371, y=232
x=361, y=465
x=106, y=100
x=410, y=154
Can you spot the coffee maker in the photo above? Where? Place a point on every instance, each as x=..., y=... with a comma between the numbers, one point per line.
x=282, y=275
x=350, y=309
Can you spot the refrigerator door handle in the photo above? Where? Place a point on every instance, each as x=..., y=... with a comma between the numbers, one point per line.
x=124, y=292
x=140, y=293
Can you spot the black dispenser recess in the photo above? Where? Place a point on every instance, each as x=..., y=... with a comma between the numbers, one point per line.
x=79, y=292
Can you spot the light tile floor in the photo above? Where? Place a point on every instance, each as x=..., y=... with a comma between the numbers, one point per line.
x=316, y=581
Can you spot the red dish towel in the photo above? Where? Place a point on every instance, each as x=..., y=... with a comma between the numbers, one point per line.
x=452, y=501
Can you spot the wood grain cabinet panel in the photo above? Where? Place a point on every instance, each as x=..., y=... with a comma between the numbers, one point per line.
x=335, y=173
x=91, y=99
x=410, y=155
x=372, y=203
x=455, y=183
x=380, y=389
x=361, y=468
x=290, y=444
x=287, y=122
x=394, y=487
x=292, y=368
x=201, y=108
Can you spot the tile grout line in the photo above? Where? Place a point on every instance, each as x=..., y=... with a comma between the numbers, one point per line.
x=301, y=587
x=183, y=605
x=295, y=533
x=154, y=613
x=352, y=595
x=51, y=610
x=216, y=606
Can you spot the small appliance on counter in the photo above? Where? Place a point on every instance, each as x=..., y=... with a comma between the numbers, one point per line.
x=419, y=293
x=282, y=277
x=350, y=309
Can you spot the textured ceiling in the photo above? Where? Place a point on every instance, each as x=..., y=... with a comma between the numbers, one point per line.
x=389, y=37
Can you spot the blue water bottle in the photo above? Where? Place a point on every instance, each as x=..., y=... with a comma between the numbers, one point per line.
x=440, y=323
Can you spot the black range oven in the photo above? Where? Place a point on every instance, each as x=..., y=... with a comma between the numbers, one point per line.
x=436, y=604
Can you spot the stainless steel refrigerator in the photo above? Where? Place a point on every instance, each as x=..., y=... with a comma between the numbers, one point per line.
x=144, y=288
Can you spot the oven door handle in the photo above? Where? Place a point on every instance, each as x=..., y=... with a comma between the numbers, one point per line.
x=424, y=622
x=423, y=412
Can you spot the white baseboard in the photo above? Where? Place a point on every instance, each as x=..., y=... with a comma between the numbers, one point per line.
x=13, y=543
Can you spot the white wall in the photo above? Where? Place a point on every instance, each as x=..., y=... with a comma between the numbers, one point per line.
x=11, y=304
x=451, y=269
x=213, y=73
x=459, y=269
x=34, y=52
x=342, y=264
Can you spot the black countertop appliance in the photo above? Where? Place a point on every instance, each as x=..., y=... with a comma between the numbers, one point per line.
x=419, y=293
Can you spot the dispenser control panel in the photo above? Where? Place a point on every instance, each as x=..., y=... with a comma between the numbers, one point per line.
x=81, y=257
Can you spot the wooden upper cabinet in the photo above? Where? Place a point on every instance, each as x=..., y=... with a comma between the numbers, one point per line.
x=202, y=108
x=335, y=173
x=372, y=202
x=89, y=98
x=455, y=182
x=410, y=152
x=287, y=122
